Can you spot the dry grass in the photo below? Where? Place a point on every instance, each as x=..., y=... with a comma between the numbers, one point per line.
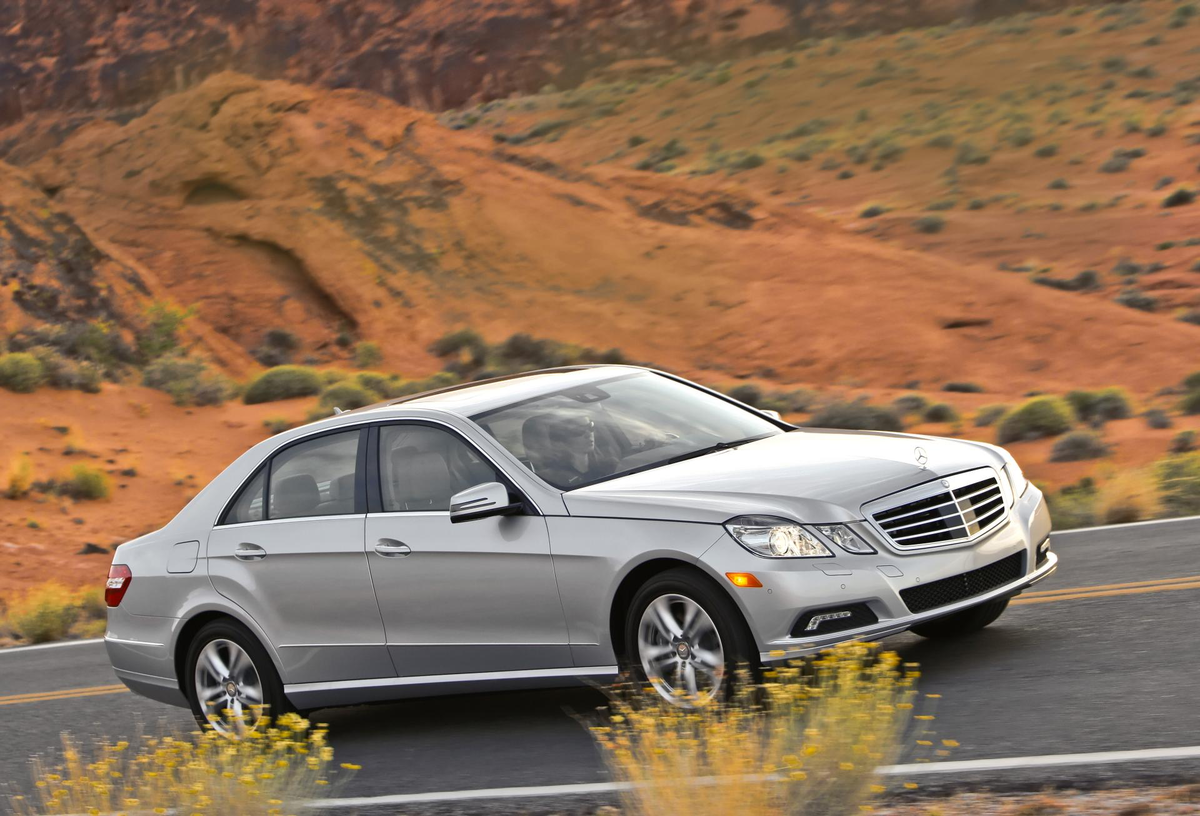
x=806, y=740
x=1127, y=497
x=52, y=612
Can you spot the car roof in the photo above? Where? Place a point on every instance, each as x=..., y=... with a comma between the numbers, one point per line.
x=469, y=399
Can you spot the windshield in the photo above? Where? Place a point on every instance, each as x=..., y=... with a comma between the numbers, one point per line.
x=586, y=434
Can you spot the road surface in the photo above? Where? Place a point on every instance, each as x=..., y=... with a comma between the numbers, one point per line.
x=1102, y=657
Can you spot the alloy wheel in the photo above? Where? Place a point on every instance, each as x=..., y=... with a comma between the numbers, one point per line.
x=680, y=650
x=228, y=687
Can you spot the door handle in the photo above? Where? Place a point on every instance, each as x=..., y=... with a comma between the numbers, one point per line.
x=249, y=552
x=392, y=548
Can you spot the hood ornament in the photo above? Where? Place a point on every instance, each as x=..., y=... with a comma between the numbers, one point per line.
x=921, y=456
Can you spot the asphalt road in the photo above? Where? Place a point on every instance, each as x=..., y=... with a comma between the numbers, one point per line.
x=1107, y=668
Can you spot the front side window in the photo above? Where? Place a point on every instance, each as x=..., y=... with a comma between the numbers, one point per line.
x=314, y=478
x=421, y=467
x=581, y=435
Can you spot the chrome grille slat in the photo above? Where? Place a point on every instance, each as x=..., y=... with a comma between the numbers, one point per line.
x=962, y=507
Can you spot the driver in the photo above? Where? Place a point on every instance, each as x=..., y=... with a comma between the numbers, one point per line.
x=574, y=458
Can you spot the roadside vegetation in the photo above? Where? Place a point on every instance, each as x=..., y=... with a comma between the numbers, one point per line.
x=274, y=770
x=52, y=612
x=806, y=740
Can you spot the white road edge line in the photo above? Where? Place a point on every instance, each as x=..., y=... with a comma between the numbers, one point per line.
x=55, y=645
x=1102, y=527
x=918, y=769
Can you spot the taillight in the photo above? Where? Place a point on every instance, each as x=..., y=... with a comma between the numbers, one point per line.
x=119, y=579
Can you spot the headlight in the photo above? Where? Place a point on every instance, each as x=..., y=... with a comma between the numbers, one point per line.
x=774, y=537
x=845, y=538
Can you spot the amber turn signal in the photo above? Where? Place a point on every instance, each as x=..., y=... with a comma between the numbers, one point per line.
x=743, y=579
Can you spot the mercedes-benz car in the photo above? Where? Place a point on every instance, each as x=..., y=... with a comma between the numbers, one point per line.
x=540, y=529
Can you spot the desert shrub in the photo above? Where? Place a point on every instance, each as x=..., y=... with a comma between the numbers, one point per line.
x=347, y=396
x=276, y=424
x=1191, y=402
x=1157, y=418
x=748, y=393
x=283, y=382
x=1100, y=406
x=1178, y=480
x=940, y=412
x=278, y=770
x=1115, y=164
x=929, y=224
x=21, y=372
x=963, y=387
x=1046, y=151
x=1192, y=381
x=459, y=341
x=367, y=354
x=857, y=415
x=1073, y=506
x=796, y=401
x=188, y=380
x=660, y=159
x=1036, y=419
x=970, y=154
x=1184, y=442
x=1085, y=281
x=85, y=482
x=43, y=614
x=873, y=211
x=1179, y=198
x=277, y=348
x=941, y=205
x=98, y=343
x=909, y=404
x=374, y=381
x=1126, y=498
x=1078, y=446
x=20, y=476
x=1135, y=298
x=989, y=414
x=806, y=741
x=1020, y=136
x=1059, y=184
x=161, y=332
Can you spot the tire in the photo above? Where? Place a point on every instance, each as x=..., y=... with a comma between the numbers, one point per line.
x=698, y=658
x=964, y=623
x=260, y=691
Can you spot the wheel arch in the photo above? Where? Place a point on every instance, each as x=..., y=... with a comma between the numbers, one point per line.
x=639, y=575
x=201, y=617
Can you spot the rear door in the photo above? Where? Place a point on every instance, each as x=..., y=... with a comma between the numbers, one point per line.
x=477, y=596
x=296, y=562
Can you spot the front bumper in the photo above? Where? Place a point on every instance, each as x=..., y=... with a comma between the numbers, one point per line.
x=797, y=647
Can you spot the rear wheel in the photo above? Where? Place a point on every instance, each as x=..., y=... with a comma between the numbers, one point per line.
x=232, y=683
x=963, y=623
x=685, y=637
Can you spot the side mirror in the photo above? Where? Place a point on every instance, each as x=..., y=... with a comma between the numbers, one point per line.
x=482, y=501
x=771, y=413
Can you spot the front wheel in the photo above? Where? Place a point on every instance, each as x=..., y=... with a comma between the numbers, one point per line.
x=232, y=683
x=963, y=623
x=685, y=637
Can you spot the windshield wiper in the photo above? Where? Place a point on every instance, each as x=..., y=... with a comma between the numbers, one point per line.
x=719, y=446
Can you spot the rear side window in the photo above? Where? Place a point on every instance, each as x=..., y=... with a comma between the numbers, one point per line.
x=248, y=506
x=314, y=478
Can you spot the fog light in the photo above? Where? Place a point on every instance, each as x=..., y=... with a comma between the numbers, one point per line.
x=743, y=579
x=1043, y=551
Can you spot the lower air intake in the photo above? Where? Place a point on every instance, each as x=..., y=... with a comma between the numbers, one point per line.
x=967, y=585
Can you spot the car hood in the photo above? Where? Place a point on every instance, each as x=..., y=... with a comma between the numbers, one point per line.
x=808, y=475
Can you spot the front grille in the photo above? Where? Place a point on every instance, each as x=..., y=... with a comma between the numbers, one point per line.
x=960, y=508
x=966, y=585
x=860, y=615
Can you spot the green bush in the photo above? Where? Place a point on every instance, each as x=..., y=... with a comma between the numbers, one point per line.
x=21, y=372
x=856, y=415
x=63, y=372
x=1038, y=418
x=796, y=401
x=374, y=381
x=963, y=387
x=989, y=415
x=1157, y=419
x=161, y=333
x=188, y=380
x=1179, y=198
x=1078, y=446
x=1073, y=506
x=44, y=614
x=1184, y=442
x=1100, y=406
x=1191, y=402
x=277, y=347
x=940, y=412
x=347, y=396
x=367, y=354
x=1178, y=480
x=283, y=382
x=929, y=224
x=85, y=482
x=909, y=404
x=750, y=394
x=276, y=424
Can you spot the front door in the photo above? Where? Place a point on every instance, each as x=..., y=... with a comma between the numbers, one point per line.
x=477, y=596
x=296, y=564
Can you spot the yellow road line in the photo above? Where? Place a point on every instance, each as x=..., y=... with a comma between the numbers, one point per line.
x=1084, y=592
x=63, y=694
x=1156, y=582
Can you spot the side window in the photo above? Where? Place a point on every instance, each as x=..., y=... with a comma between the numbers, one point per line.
x=248, y=506
x=422, y=467
x=314, y=478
